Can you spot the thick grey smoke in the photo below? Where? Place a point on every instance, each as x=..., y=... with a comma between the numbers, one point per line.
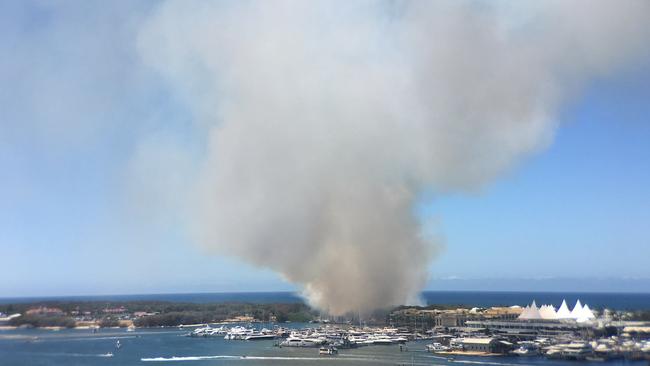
x=326, y=120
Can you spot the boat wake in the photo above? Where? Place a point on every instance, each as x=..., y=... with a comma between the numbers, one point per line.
x=224, y=357
x=372, y=360
x=488, y=363
x=109, y=354
x=251, y=358
x=188, y=358
x=63, y=354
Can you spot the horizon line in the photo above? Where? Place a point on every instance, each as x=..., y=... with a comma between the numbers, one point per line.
x=297, y=293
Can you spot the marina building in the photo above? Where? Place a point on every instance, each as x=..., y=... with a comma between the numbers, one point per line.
x=487, y=345
x=534, y=321
x=452, y=318
x=528, y=328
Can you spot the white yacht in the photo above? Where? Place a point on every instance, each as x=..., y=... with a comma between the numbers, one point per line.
x=261, y=335
x=328, y=351
x=238, y=333
x=526, y=349
x=436, y=347
x=208, y=331
x=380, y=339
x=294, y=341
x=577, y=351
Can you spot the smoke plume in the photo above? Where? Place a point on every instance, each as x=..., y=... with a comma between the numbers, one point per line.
x=325, y=121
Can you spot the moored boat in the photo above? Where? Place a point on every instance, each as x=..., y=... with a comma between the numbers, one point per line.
x=328, y=351
x=436, y=347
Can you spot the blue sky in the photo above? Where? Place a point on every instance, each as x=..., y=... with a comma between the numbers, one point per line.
x=76, y=102
x=577, y=210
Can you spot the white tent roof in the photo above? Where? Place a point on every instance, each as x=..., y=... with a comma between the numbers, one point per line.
x=576, y=313
x=563, y=312
x=524, y=314
x=586, y=313
x=548, y=312
x=531, y=312
x=579, y=313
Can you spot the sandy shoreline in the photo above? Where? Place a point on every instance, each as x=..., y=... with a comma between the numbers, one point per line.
x=467, y=353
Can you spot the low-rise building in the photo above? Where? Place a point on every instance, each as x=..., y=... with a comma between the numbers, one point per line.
x=44, y=310
x=478, y=344
x=139, y=314
x=503, y=313
x=527, y=329
x=118, y=310
x=450, y=319
x=487, y=345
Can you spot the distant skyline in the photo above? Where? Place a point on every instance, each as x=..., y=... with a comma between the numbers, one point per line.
x=573, y=217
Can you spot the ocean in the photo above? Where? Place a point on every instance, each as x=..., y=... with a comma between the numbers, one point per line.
x=596, y=300
x=71, y=347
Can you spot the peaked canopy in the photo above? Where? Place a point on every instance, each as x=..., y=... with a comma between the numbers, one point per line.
x=585, y=315
x=577, y=310
x=563, y=312
x=548, y=312
x=531, y=312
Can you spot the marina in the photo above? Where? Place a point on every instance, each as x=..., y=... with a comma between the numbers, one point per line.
x=81, y=347
x=528, y=332
x=510, y=335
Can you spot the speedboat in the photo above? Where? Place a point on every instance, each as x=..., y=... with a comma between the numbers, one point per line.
x=526, y=349
x=436, y=347
x=328, y=351
x=554, y=352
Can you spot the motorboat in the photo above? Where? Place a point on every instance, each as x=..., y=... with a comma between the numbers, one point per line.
x=208, y=331
x=381, y=339
x=553, y=352
x=238, y=333
x=577, y=351
x=526, y=349
x=436, y=347
x=328, y=351
x=294, y=341
x=261, y=335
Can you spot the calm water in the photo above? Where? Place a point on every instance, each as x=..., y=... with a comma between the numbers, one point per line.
x=164, y=346
x=599, y=300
